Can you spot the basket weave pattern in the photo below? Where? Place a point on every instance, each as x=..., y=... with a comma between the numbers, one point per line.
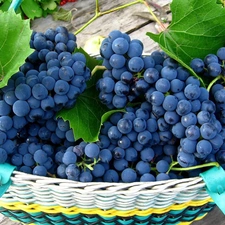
x=119, y=196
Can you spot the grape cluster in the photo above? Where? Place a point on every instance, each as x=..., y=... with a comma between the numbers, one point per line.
x=211, y=66
x=123, y=59
x=173, y=120
x=51, y=79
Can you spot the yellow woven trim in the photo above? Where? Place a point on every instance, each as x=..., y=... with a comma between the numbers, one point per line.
x=35, y=208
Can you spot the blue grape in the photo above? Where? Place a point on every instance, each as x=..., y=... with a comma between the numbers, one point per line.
x=183, y=107
x=28, y=160
x=26, y=169
x=131, y=154
x=192, y=132
x=5, y=109
x=152, y=125
x=204, y=148
x=156, y=98
x=111, y=176
x=119, y=102
x=151, y=75
x=23, y=91
x=186, y=159
x=203, y=117
x=208, y=106
x=23, y=148
x=208, y=131
x=121, y=89
x=117, y=61
x=188, y=146
x=210, y=58
x=120, y=164
x=92, y=150
x=135, y=49
x=170, y=103
x=162, y=176
x=40, y=171
x=162, y=166
x=139, y=124
x=171, y=117
x=105, y=155
x=39, y=42
x=39, y=91
x=120, y=45
x=40, y=156
x=147, y=154
x=118, y=153
x=162, y=85
x=61, y=87
x=61, y=171
x=9, y=98
x=98, y=170
x=147, y=177
x=128, y=175
x=221, y=53
x=169, y=73
x=136, y=64
x=6, y=123
x=144, y=137
x=69, y=158
x=124, y=142
x=214, y=69
x=3, y=155
x=189, y=119
x=192, y=91
x=124, y=126
x=3, y=137
x=142, y=168
x=197, y=65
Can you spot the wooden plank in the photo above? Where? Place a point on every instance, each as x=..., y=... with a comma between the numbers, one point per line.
x=124, y=20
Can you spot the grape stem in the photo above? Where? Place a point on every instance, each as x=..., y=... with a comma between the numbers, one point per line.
x=195, y=167
x=99, y=13
x=214, y=81
x=97, y=68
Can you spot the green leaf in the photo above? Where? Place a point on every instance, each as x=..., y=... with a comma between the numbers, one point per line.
x=62, y=14
x=31, y=9
x=14, y=44
x=49, y=5
x=5, y=6
x=197, y=29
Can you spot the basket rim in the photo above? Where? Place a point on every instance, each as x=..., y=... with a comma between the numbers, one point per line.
x=172, y=185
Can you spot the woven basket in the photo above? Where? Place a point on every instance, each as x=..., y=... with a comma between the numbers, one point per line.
x=40, y=200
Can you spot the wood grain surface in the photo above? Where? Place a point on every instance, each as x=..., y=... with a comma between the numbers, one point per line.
x=125, y=20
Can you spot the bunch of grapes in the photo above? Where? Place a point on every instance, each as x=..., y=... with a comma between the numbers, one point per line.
x=173, y=121
x=51, y=79
x=168, y=119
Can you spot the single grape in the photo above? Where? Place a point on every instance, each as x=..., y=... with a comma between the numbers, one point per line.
x=128, y=175
x=92, y=150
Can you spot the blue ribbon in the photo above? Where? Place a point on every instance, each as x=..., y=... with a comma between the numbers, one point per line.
x=214, y=179
x=15, y=4
x=6, y=171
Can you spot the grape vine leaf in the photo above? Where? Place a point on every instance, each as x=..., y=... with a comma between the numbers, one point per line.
x=14, y=44
x=197, y=29
x=32, y=9
x=88, y=114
